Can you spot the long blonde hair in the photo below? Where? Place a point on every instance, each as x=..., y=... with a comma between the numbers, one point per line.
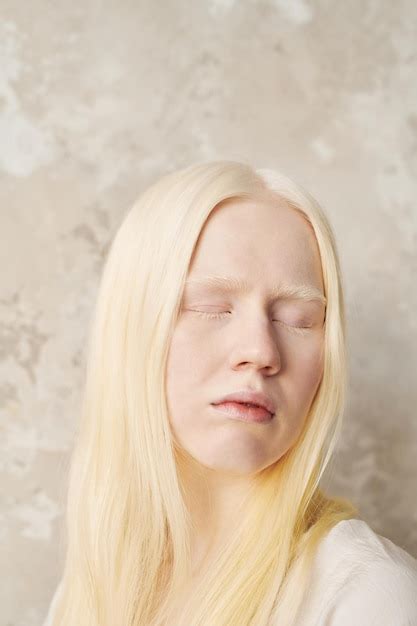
x=127, y=544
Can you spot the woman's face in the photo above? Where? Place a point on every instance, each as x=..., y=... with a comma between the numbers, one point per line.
x=230, y=340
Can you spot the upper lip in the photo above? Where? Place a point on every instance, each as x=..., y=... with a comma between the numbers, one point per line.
x=247, y=395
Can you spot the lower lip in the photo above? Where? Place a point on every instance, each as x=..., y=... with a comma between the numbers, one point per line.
x=238, y=411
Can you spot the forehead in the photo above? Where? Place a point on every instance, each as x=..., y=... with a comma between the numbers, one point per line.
x=257, y=242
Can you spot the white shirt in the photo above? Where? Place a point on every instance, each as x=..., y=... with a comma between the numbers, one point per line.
x=359, y=578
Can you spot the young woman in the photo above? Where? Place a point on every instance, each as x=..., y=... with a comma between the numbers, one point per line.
x=214, y=396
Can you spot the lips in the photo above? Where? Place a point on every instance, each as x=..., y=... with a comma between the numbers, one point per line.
x=257, y=398
x=244, y=412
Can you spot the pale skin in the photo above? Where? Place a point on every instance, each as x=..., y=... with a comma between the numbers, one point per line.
x=257, y=340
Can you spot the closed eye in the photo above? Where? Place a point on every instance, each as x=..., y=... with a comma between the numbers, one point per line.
x=217, y=315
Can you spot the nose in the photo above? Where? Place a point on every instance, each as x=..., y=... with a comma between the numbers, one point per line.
x=255, y=345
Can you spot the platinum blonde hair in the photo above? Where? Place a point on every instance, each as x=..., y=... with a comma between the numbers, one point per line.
x=127, y=528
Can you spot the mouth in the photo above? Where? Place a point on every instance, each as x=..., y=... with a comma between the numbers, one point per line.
x=249, y=398
x=244, y=411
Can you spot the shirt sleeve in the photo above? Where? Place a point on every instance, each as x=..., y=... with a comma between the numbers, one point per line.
x=384, y=595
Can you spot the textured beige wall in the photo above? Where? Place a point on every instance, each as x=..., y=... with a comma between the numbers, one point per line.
x=99, y=98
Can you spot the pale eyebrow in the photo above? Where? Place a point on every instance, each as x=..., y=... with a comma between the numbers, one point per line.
x=282, y=291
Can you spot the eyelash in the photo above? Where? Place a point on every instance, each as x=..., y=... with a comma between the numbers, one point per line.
x=295, y=329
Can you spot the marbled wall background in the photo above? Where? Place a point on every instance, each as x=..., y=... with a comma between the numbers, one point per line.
x=97, y=99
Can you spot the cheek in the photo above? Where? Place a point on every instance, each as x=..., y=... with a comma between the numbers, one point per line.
x=300, y=384
x=191, y=347
x=187, y=366
x=177, y=358
x=313, y=364
x=306, y=370
x=183, y=353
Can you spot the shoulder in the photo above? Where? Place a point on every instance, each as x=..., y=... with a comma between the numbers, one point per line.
x=354, y=540
x=362, y=577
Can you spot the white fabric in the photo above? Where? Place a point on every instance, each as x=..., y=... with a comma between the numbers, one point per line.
x=359, y=578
